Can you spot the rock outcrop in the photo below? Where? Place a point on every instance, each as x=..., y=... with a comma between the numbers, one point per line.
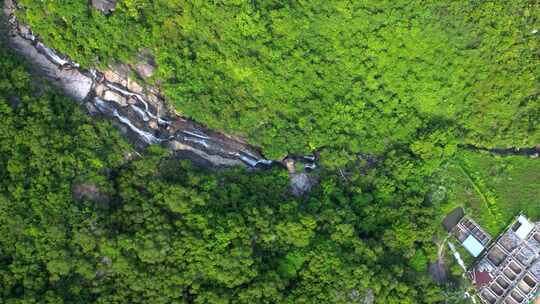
x=45, y=62
x=104, y=6
x=300, y=180
x=138, y=111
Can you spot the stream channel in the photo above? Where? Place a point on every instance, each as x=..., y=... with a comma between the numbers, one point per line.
x=142, y=114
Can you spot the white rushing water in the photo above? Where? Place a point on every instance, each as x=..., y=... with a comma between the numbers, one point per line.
x=53, y=56
x=250, y=159
x=142, y=114
x=65, y=69
x=108, y=109
x=103, y=106
x=139, y=98
x=146, y=136
x=198, y=141
x=457, y=256
x=196, y=134
x=124, y=92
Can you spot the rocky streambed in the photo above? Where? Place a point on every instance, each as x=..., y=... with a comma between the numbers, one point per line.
x=141, y=113
x=532, y=152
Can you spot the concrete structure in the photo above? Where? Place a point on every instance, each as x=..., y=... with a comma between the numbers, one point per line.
x=509, y=270
x=473, y=246
x=471, y=236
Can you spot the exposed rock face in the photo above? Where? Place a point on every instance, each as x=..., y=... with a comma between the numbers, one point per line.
x=438, y=271
x=289, y=163
x=216, y=160
x=144, y=70
x=116, y=76
x=115, y=97
x=134, y=86
x=139, y=113
x=301, y=183
x=76, y=84
x=370, y=297
x=104, y=6
x=300, y=180
x=146, y=64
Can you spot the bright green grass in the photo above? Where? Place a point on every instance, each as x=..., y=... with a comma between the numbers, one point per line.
x=493, y=189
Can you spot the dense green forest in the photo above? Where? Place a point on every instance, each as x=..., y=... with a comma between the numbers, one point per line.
x=338, y=76
x=84, y=218
x=83, y=221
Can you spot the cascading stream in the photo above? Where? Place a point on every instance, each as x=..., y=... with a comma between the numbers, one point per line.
x=139, y=112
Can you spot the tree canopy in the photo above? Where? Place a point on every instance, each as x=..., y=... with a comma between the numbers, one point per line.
x=342, y=77
x=82, y=220
x=386, y=91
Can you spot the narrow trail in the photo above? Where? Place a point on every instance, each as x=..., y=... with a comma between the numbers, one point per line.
x=438, y=268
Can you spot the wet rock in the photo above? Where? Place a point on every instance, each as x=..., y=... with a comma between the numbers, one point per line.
x=153, y=125
x=104, y=6
x=301, y=183
x=132, y=100
x=74, y=83
x=144, y=121
x=438, y=271
x=26, y=32
x=215, y=160
x=156, y=105
x=100, y=90
x=91, y=109
x=153, y=99
x=115, y=97
x=370, y=297
x=354, y=295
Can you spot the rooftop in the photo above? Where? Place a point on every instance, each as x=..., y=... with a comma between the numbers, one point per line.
x=473, y=246
x=470, y=234
x=509, y=270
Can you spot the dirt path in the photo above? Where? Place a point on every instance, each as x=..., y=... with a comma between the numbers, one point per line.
x=438, y=269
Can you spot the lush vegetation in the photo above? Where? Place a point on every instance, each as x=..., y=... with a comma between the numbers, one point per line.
x=493, y=189
x=82, y=221
x=405, y=82
x=342, y=77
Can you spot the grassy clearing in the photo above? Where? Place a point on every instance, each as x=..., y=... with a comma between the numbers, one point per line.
x=493, y=189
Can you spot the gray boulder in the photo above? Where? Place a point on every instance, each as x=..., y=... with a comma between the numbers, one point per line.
x=104, y=6
x=145, y=65
x=144, y=70
x=300, y=183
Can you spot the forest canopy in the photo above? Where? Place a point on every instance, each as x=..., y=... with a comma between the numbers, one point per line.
x=82, y=219
x=342, y=77
x=385, y=92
